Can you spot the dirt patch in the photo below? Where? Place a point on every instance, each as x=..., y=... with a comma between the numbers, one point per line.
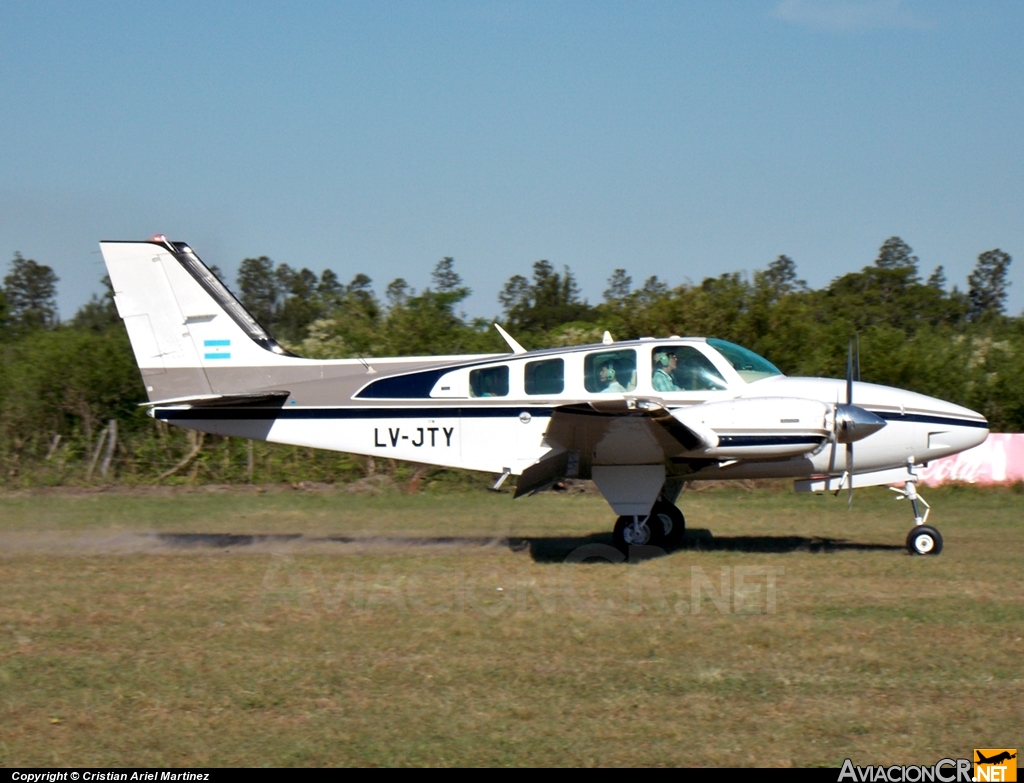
x=171, y=490
x=93, y=543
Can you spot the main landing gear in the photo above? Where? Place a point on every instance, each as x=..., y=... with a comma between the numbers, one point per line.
x=663, y=527
x=923, y=539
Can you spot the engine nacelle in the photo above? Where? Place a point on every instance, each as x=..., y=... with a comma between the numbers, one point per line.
x=759, y=427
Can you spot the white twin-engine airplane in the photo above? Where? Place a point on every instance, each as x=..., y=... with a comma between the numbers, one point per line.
x=639, y=417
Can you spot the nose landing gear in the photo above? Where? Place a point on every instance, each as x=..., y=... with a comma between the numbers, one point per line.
x=923, y=539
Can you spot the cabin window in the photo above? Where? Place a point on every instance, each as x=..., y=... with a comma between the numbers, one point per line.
x=683, y=368
x=489, y=382
x=547, y=377
x=610, y=371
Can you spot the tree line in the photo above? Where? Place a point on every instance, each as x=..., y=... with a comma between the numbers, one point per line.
x=69, y=390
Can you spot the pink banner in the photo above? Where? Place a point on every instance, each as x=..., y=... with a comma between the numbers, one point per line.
x=999, y=460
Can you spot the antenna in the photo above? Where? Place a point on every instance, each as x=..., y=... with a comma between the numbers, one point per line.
x=516, y=347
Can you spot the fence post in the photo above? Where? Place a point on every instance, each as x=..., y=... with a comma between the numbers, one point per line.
x=111, y=445
x=53, y=447
x=96, y=453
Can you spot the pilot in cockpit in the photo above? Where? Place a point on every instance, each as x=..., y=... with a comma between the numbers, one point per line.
x=665, y=363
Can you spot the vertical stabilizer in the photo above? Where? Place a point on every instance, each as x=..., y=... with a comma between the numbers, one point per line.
x=181, y=320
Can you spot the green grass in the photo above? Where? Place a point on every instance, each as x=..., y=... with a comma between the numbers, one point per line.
x=384, y=651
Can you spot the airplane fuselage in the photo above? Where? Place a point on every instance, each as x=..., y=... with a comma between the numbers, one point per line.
x=431, y=416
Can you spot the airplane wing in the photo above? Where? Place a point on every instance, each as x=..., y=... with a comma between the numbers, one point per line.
x=644, y=424
x=617, y=431
x=645, y=431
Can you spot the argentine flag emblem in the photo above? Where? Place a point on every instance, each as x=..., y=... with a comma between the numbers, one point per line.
x=217, y=349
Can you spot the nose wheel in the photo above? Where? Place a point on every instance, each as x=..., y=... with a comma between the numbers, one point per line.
x=922, y=539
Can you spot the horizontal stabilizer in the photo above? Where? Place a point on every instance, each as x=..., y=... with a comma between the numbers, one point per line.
x=271, y=398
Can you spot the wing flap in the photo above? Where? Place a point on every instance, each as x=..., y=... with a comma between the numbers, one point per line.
x=690, y=438
x=543, y=474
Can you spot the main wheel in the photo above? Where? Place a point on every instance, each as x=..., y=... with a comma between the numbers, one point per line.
x=667, y=523
x=924, y=540
x=624, y=535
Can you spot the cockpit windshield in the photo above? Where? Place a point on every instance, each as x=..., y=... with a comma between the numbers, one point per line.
x=683, y=368
x=748, y=364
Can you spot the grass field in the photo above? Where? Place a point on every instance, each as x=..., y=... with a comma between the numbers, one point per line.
x=324, y=628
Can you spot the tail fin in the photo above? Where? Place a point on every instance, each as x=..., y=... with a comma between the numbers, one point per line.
x=181, y=319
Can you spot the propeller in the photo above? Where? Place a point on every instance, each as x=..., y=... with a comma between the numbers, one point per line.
x=853, y=423
x=850, y=364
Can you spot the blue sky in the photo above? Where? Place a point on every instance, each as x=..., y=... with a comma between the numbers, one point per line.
x=673, y=139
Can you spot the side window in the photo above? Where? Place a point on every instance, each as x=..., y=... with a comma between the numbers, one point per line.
x=683, y=368
x=610, y=371
x=547, y=377
x=489, y=382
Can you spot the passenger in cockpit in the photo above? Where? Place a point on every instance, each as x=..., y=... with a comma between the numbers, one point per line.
x=606, y=377
x=665, y=363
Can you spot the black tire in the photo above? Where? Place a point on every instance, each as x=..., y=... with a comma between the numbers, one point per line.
x=622, y=535
x=668, y=524
x=924, y=540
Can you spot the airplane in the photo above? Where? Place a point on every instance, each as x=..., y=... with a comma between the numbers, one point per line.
x=639, y=417
x=996, y=759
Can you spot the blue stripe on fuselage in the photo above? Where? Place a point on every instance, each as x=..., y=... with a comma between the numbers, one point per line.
x=769, y=440
x=921, y=418
x=262, y=414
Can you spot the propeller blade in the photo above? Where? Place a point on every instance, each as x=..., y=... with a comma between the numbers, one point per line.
x=849, y=398
x=849, y=476
x=852, y=423
x=856, y=357
x=849, y=373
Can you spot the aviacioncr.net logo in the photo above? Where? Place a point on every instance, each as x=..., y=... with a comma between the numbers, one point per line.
x=944, y=771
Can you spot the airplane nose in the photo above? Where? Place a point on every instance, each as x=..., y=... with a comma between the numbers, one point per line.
x=954, y=428
x=976, y=435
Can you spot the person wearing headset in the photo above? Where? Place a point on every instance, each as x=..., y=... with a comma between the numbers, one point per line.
x=665, y=363
x=606, y=377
